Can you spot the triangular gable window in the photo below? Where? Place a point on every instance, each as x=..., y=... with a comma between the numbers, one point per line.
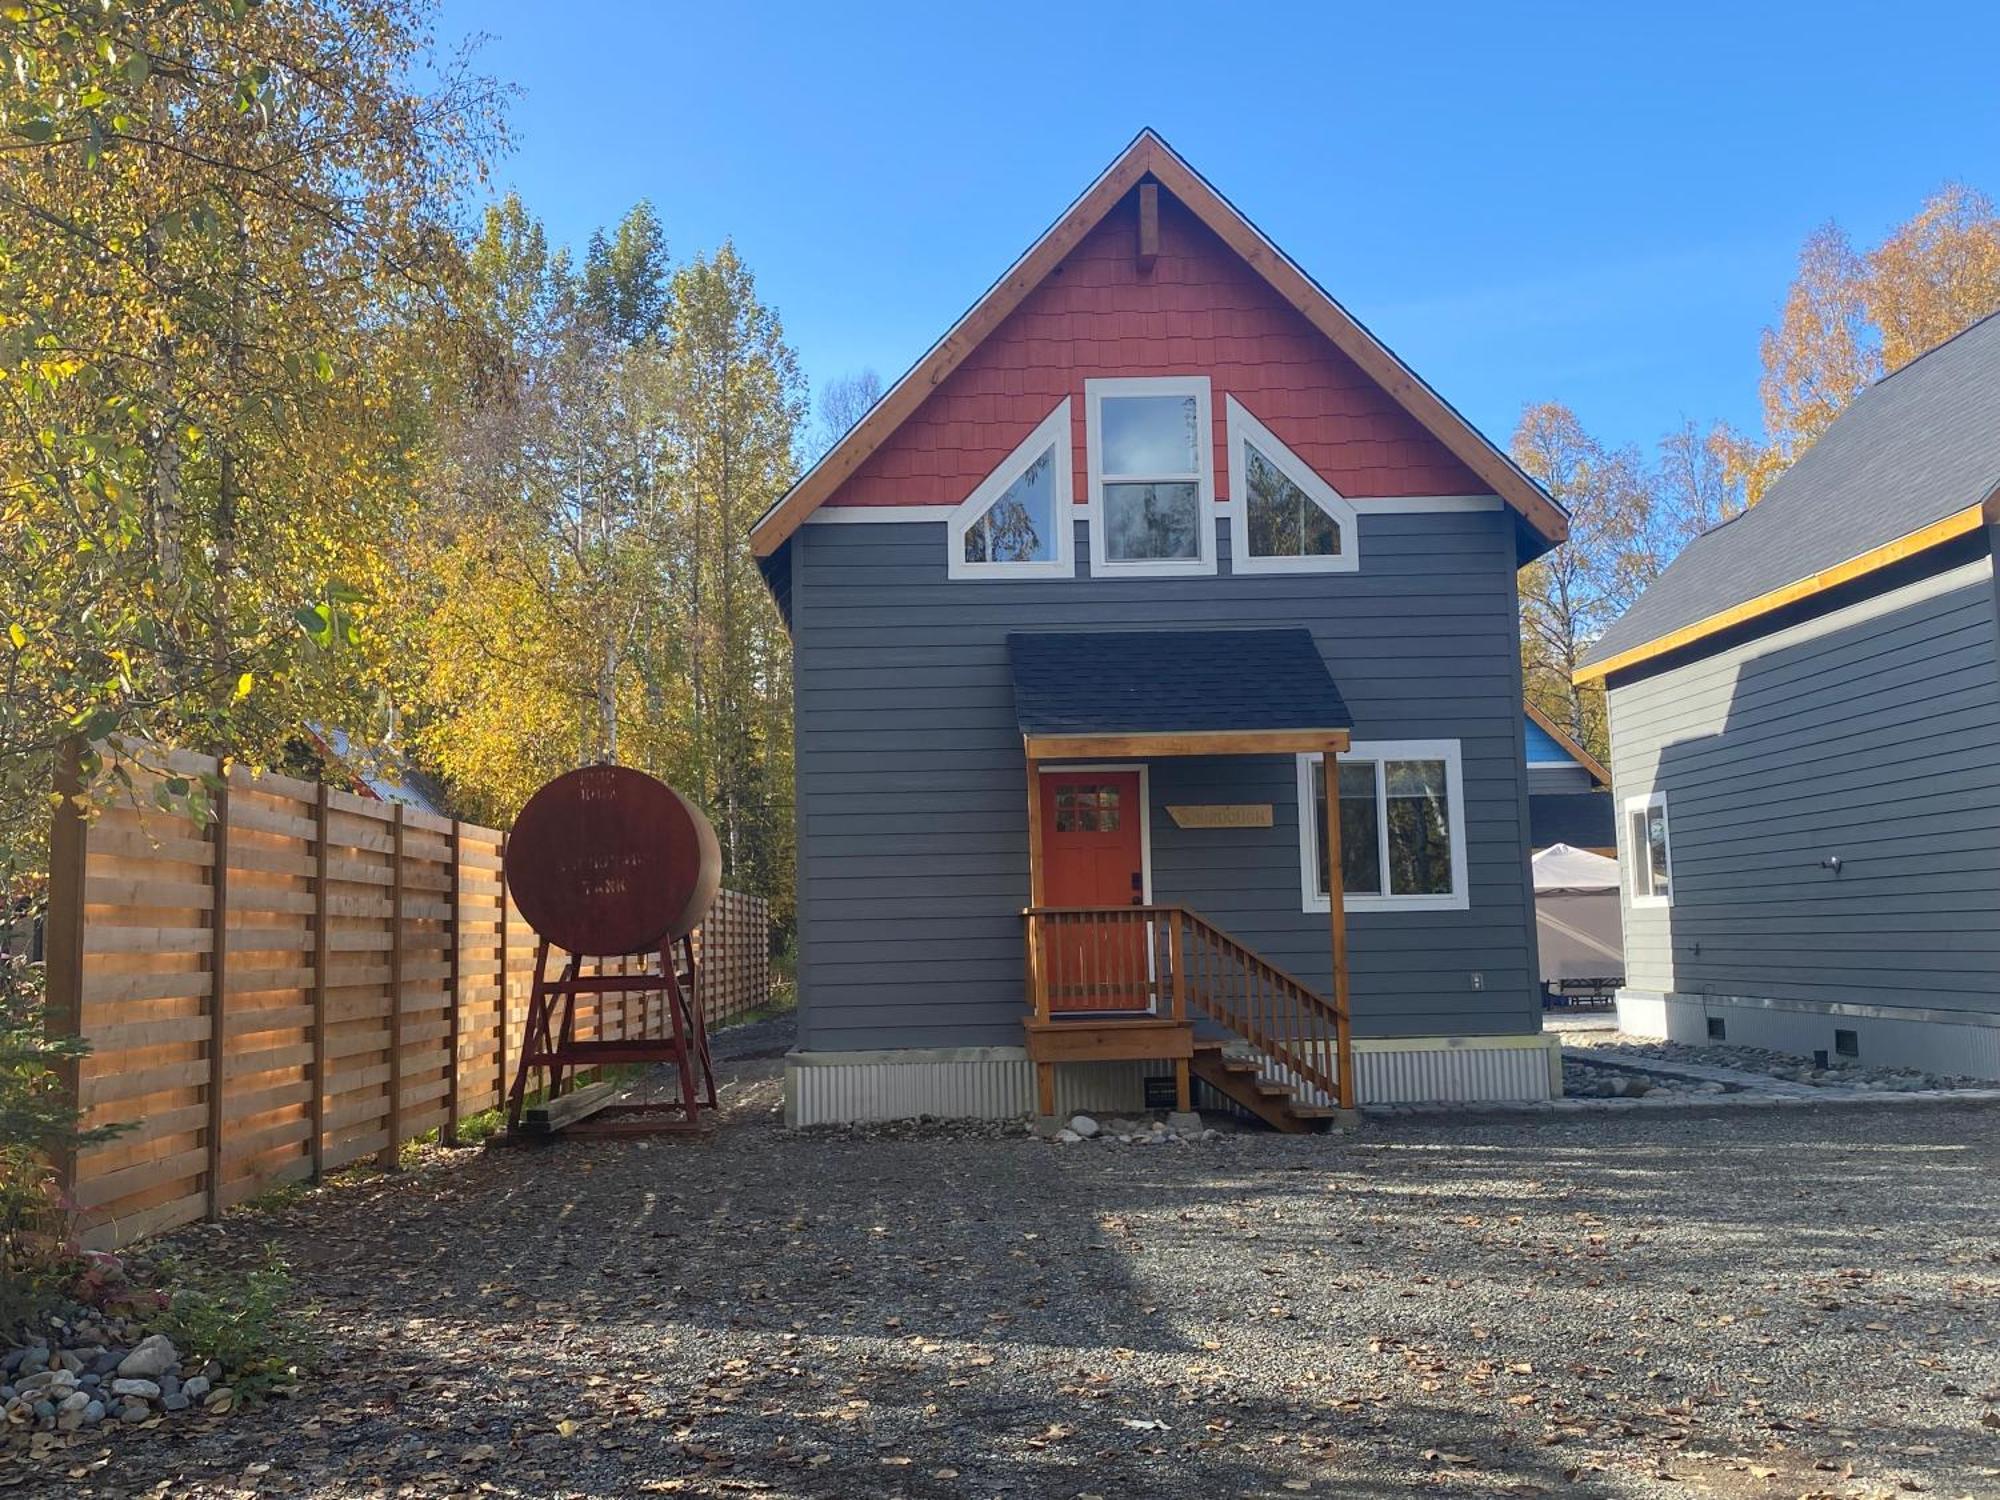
x=1283, y=518
x=1019, y=522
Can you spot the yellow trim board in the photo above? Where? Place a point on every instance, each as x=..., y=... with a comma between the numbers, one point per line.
x=1958, y=523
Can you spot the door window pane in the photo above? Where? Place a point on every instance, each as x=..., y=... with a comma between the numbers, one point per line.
x=1153, y=436
x=1087, y=809
x=1282, y=519
x=1145, y=521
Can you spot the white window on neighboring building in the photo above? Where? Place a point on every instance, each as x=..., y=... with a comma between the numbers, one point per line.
x=1020, y=522
x=1647, y=850
x=1401, y=805
x=1283, y=518
x=1152, y=486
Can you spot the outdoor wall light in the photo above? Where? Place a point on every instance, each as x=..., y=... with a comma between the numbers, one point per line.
x=1831, y=862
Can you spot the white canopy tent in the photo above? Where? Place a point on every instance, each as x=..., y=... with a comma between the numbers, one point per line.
x=1576, y=915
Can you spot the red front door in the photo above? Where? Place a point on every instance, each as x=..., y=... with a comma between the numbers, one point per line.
x=1092, y=856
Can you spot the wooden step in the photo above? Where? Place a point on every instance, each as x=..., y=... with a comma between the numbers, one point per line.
x=1270, y=1103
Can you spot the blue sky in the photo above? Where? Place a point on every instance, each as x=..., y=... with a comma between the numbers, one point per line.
x=1599, y=204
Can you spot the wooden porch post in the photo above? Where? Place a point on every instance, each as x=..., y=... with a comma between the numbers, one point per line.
x=1336, y=917
x=1038, y=991
x=1183, y=1082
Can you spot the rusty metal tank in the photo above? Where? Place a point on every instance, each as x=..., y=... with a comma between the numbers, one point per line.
x=606, y=861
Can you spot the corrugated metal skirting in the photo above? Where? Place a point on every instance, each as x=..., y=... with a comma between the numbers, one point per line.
x=999, y=1083
x=1470, y=1074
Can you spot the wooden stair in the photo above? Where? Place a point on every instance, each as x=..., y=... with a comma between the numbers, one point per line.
x=1239, y=1079
x=1177, y=970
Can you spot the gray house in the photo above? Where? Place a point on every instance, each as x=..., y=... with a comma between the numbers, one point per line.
x=1081, y=611
x=1805, y=745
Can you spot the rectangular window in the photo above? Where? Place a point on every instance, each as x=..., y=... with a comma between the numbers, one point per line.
x=1402, y=833
x=1646, y=850
x=1152, y=495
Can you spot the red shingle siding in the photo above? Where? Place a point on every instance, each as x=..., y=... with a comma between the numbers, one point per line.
x=1201, y=310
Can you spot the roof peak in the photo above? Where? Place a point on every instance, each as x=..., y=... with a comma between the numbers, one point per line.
x=1149, y=156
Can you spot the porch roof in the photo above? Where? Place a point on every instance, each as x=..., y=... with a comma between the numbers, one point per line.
x=1174, y=692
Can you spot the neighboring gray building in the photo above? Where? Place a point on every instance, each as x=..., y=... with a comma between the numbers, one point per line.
x=1078, y=611
x=1805, y=745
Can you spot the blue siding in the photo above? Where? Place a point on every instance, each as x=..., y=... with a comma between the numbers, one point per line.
x=912, y=783
x=1542, y=747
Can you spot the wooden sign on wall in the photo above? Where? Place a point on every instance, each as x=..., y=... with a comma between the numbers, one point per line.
x=1222, y=815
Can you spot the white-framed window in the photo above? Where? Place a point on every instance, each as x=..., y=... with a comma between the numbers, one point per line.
x=1020, y=522
x=1647, y=850
x=1401, y=805
x=1283, y=518
x=1151, y=460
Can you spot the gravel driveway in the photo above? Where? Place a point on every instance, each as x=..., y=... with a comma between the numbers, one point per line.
x=1778, y=1303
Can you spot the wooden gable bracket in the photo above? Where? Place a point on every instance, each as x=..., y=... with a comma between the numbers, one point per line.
x=1149, y=224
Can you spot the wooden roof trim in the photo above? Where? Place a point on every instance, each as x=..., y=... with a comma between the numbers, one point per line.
x=1313, y=302
x=1148, y=155
x=1041, y=747
x=1957, y=524
x=1575, y=751
x=949, y=352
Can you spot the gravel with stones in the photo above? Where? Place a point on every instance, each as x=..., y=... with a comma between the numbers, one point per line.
x=1582, y=1081
x=1680, y=1304
x=1784, y=1066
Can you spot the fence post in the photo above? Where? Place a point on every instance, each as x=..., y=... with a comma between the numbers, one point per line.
x=500, y=1042
x=321, y=927
x=62, y=932
x=449, y=1134
x=391, y=1152
x=218, y=976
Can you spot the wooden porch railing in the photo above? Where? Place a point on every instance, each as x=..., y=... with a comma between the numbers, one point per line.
x=1118, y=960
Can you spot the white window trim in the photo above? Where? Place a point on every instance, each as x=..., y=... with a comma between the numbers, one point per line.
x=1053, y=431
x=1448, y=751
x=1094, y=392
x=1244, y=428
x=1645, y=802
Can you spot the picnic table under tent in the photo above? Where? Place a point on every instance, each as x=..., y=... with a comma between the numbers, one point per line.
x=1577, y=924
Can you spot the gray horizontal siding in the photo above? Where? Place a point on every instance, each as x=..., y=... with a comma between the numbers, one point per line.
x=912, y=787
x=1872, y=734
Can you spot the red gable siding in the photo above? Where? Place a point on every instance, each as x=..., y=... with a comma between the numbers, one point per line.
x=1200, y=310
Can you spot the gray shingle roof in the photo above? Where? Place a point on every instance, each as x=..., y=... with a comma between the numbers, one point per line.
x=1167, y=681
x=1913, y=448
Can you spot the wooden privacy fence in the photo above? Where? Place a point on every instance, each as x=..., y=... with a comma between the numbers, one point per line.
x=309, y=979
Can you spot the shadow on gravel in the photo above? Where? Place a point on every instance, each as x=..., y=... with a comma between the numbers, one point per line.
x=1457, y=1308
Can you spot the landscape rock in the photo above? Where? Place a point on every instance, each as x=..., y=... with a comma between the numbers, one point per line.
x=144, y=1389
x=1085, y=1127
x=152, y=1358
